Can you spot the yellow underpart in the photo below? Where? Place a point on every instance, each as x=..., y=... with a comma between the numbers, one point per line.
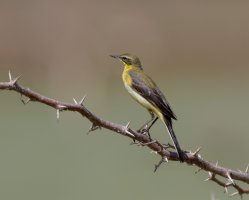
x=144, y=102
x=125, y=76
x=128, y=82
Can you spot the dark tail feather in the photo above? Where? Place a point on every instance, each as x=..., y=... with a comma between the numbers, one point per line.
x=168, y=123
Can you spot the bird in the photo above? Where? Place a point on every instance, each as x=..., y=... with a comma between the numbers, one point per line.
x=145, y=91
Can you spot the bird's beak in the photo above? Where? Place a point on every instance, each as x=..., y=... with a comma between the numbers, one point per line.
x=115, y=56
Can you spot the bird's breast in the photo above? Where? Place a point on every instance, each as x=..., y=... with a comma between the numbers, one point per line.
x=126, y=76
x=143, y=101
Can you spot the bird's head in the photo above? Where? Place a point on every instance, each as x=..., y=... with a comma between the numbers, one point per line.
x=128, y=59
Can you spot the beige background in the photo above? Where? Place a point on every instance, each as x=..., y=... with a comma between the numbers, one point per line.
x=196, y=51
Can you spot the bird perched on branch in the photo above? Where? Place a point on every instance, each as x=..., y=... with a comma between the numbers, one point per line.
x=144, y=90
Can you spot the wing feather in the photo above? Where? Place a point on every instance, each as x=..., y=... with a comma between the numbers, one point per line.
x=146, y=87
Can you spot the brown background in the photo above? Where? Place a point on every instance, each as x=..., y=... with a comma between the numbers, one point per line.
x=196, y=51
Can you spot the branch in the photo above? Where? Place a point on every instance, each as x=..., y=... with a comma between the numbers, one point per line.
x=191, y=158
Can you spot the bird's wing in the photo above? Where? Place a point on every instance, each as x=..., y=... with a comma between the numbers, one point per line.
x=146, y=87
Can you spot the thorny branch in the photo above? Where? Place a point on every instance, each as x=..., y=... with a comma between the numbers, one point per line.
x=191, y=158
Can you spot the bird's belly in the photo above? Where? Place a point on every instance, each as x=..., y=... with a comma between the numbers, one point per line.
x=142, y=101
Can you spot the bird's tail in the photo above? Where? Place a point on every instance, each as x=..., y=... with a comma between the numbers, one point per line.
x=168, y=124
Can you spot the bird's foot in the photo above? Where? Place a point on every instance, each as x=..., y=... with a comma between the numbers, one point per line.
x=143, y=144
x=145, y=131
x=168, y=146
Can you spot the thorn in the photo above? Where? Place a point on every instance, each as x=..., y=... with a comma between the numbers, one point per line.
x=57, y=114
x=25, y=101
x=16, y=79
x=216, y=163
x=127, y=125
x=10, y=78
x=210, y=176
x=247, y=168
x=93, y=128
x=153, y=152
x=226, y=191
x=82, y=100
x=229, y=178
x=75, y=101
x=207, y=179
x=212, y=196
x=228, y=184
x=196, y=152
x=127, y=132
x=233, y=194
x=61, y=107
x=164, y=159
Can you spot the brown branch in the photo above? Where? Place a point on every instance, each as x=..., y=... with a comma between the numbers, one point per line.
x=230, y=183
x=191, y=158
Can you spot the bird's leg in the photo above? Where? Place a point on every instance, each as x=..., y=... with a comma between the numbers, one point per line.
x=146, y=124
x=146, y=127
x=152, y=122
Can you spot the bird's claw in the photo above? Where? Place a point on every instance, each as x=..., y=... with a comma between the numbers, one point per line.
x=168, y=146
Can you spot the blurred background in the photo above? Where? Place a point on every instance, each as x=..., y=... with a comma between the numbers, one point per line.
x=196, y=51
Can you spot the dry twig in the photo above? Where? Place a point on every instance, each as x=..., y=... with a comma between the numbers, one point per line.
x=142, y=139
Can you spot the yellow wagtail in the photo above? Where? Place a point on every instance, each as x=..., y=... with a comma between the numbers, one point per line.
x=144, y=90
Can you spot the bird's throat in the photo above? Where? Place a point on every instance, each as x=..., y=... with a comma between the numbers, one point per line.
x=126, y=75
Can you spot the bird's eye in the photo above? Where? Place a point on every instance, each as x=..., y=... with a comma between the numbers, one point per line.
x=125, y=58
